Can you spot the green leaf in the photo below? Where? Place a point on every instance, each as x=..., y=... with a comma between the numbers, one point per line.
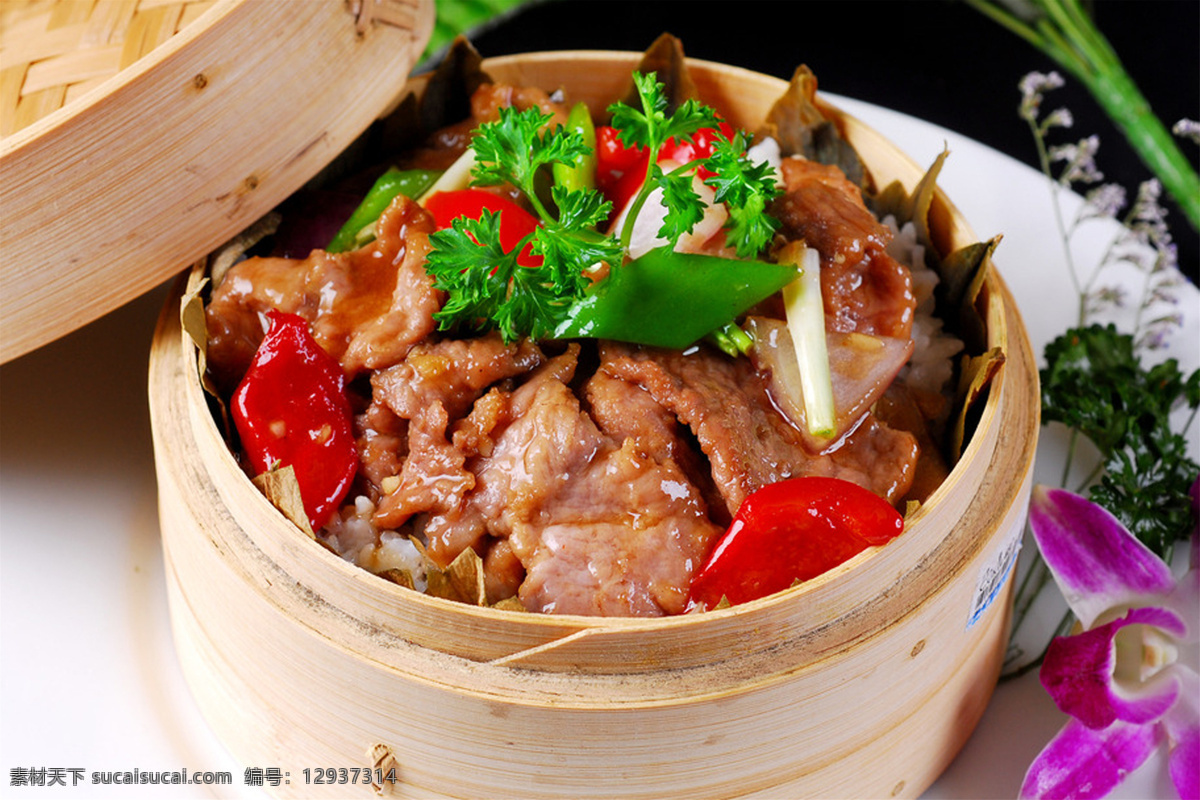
x=684, y=206
x=513, y=149
x=1094, y=383
x=650, y=126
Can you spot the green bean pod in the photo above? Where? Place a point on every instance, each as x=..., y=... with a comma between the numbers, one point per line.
x=411, y=183
x=582, y=173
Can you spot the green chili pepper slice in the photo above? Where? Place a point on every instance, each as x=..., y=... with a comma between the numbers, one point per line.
x=410, y=182
x=670, y=299
x=582, y=173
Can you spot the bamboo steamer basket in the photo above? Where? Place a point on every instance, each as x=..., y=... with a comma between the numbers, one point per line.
x=138, y=135
x=864, y=682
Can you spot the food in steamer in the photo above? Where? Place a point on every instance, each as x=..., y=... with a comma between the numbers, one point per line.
x=725, y=399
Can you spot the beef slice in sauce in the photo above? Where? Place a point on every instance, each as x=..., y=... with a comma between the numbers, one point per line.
x=597, y=524
x=748, y=443
x=864, y=289
x=366, y=308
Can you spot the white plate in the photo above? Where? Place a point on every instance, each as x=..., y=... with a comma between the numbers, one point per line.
x=88, y=676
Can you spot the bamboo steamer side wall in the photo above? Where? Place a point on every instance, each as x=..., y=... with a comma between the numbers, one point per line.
x=864, y=682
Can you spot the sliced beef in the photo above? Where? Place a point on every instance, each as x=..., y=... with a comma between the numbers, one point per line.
x=452, y=372
x=622, y=538
x=548, y=440
x=864, y=288
x=433, y=478
x=601, y=529
x=748, y=443
x=382, y=445
x=626, y=411
x=497, y=443
x=569, y=518
x=434, y=386
x=366, y=308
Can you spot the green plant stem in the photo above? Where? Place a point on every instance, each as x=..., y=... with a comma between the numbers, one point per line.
x=1063, y=627
x=1068, y=36
x=1044, y=161
x=1149, y=137
x=1039, y=573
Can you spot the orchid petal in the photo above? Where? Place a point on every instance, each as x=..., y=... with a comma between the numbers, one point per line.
x=1189, y=585
x=1079, y=674
x=1184, y=765
x=1182, y=726
x=1097, y=564
x=1083, y=763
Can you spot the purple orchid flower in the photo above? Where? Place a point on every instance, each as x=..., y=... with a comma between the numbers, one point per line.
x=1118, y=677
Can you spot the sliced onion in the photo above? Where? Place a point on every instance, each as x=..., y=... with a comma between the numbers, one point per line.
x=861, y=368
x=456, y=177
x=650, y=220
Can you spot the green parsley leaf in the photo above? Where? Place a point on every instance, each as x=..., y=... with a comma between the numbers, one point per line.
x=746, y=189
x=650, y=127
x=1095, y=383
x=485, y=287
x=517, y=145
x=570, y=246
x=684, y=206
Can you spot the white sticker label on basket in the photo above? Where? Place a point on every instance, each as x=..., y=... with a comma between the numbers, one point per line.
x=993, y=574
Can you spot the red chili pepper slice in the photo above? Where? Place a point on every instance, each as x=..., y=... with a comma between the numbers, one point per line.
x=699, y=146
x=515, y=222
x=792, y=531
x=620, y=170
x=291, y=409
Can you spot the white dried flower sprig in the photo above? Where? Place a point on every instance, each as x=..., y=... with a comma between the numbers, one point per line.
x=1187, y=129
x=1143, y=241
x=1033, y=89
x=1079, y=161
x=1065, y=31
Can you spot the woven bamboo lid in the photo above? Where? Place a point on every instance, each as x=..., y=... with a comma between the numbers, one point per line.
x=138, y=135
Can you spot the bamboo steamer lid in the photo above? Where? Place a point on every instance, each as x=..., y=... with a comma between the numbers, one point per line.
x=137, y=135
x=864, y=682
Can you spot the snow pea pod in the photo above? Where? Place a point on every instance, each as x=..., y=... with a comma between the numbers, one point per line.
x=409, y=182
x=670, y=299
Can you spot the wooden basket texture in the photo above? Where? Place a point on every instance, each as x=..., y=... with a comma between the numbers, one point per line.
x=137, y=135
x=862, y=683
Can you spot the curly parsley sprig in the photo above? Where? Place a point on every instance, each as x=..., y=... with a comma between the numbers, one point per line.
x=1095, y=384
x=485, y=285
x=745, y=188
